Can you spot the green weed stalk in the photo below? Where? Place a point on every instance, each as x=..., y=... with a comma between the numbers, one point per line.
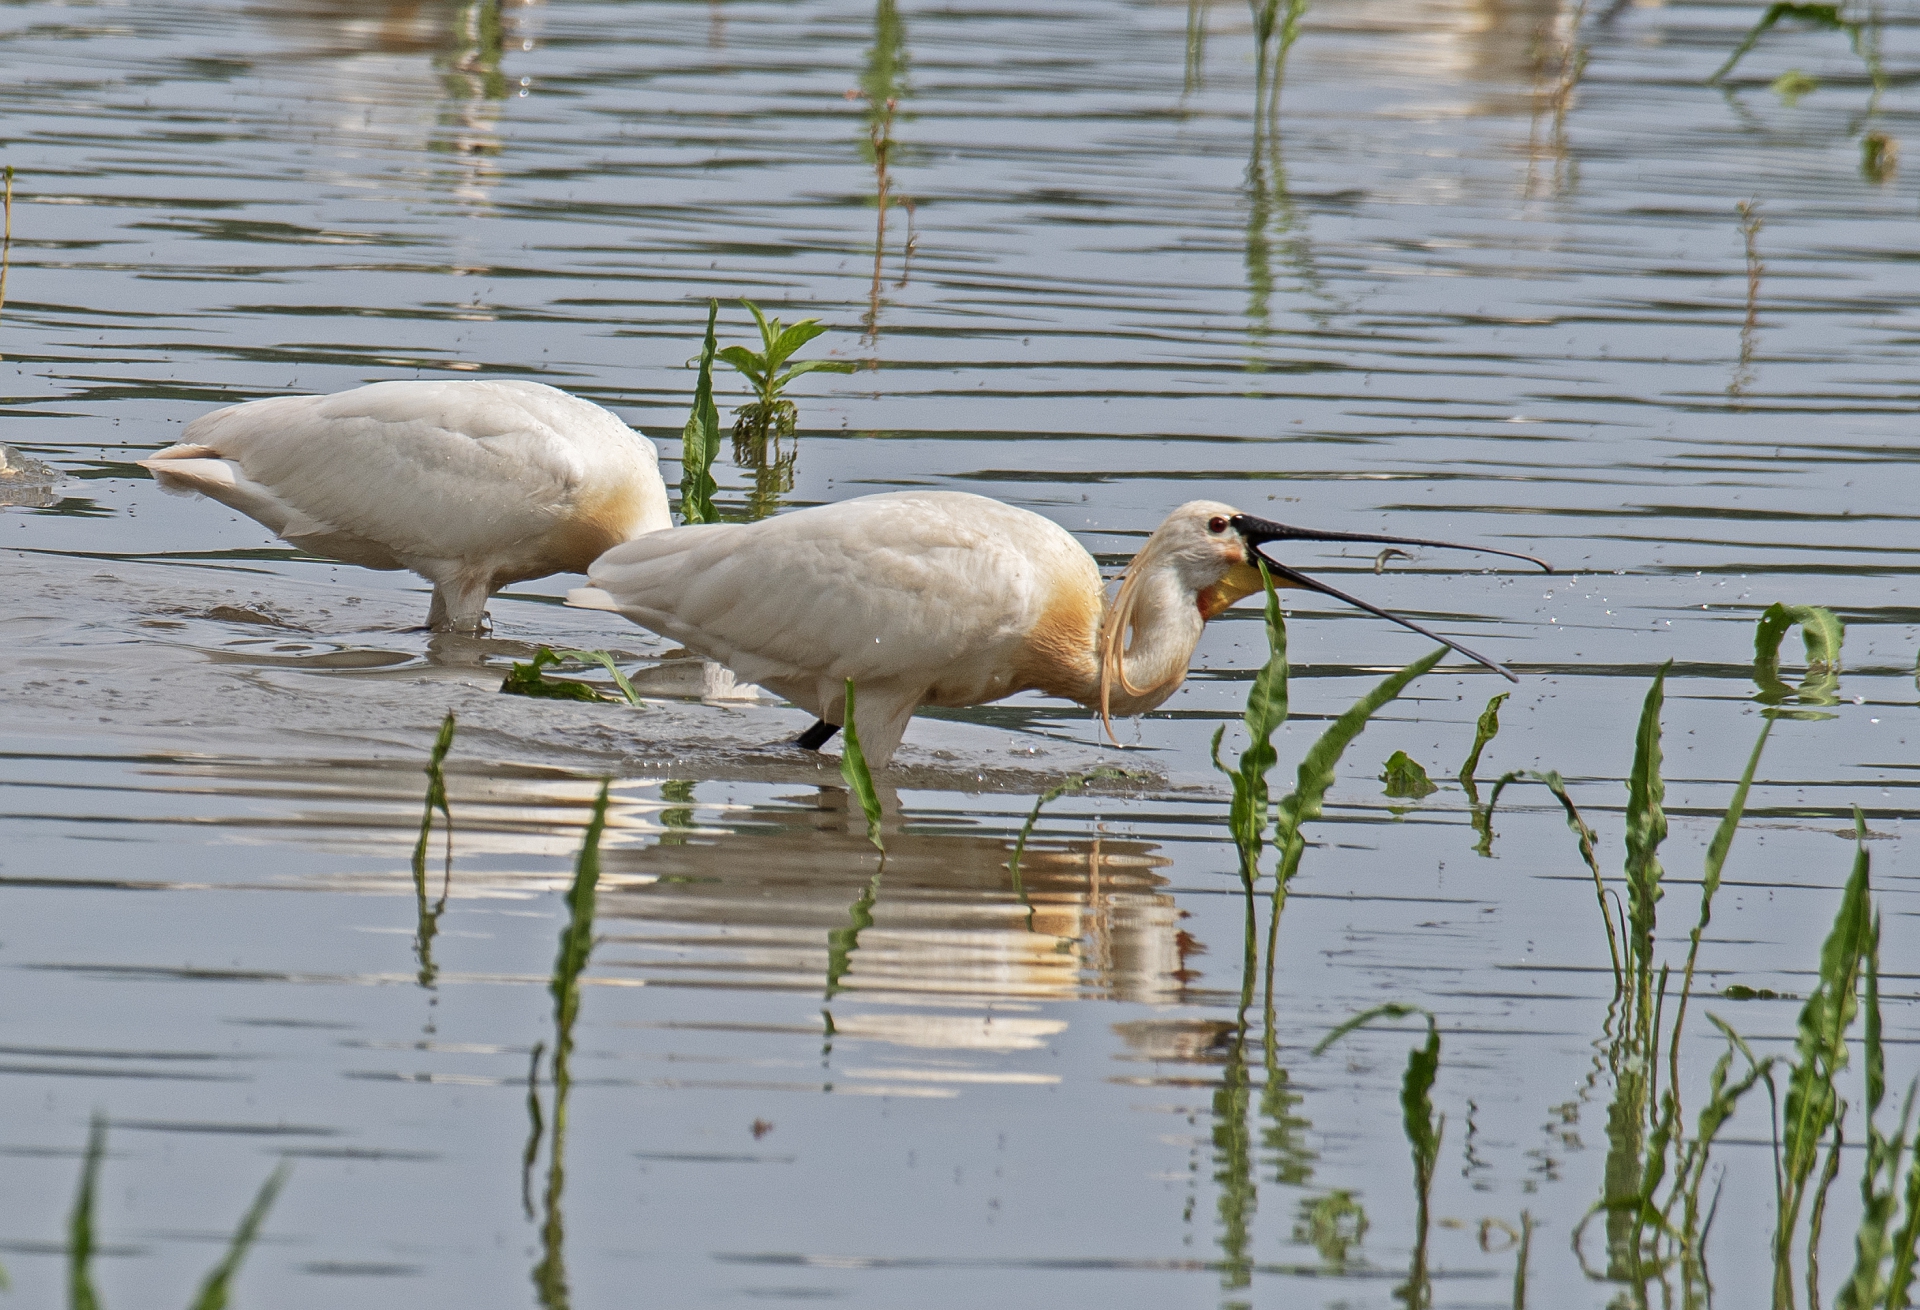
x=1048, y=797
x=570, y=962
x=858, y=777
x=1423, y=1129
x=1485, y=729
x=427, y=918
x=843, y=942
x=215, y=1289
x=700, y=438
x=1265, y=713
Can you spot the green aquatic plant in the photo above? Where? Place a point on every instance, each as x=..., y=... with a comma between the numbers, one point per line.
x=526, y=678
x=1792, y=86
x=1048, y=797
x=1266, y=712
x=770, y=413
x=700, y=438
x=1423, y=1128
x=215, y=1289
x=427, y=919
x=569, y=964
x=1822, y=633
x=1276, y=26
x=1406, y=778
x=843, y=942
x=1333, y=1225
x=1485, y=729
x=1825, y=17
x=858, y=777
x=1304, y=802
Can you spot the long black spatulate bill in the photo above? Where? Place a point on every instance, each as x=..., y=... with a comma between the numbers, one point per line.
x=1257, y=532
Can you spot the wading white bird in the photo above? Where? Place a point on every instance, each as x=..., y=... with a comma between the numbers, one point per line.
x=472, y=484
x=945, y=598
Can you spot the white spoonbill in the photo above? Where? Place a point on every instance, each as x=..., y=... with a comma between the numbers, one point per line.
x=472, y=484
x=946, y=598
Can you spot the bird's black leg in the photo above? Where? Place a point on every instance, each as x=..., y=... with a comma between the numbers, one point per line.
x=817, y=736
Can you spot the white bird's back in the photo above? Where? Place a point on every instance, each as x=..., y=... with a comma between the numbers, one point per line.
x=920, y=597
x=473, y=484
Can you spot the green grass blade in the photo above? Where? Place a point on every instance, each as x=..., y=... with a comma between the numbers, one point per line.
x=843, y=942
x=859, y=778
x=525, y=679
x=576, y=945
x=1316, y=768
x=1827, y=16
x=80, y=1292
x=1484, y=731
x=1820, y=1045
x=1583, y=835
x=605, y=661
x=700, y=439
x=1717, y=851
x=1646, y=826
x=1048, y=797
x=213, y=1292
x=1265, y=713
x=1822, y=633
x=427, y=918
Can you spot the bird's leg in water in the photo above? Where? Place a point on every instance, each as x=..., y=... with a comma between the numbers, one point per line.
x=459, y=605
x=817, y=736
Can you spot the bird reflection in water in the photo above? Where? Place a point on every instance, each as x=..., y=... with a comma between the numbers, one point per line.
x=771, y=904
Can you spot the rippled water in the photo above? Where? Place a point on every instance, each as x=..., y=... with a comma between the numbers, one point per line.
x=1455, y=295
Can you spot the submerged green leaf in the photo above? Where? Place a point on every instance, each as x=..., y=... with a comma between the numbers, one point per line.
x=605, y=660
x=526, y=680
x=859, y=779
x=700, y=439
x=1405, y=777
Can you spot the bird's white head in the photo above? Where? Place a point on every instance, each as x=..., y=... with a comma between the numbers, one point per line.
x=1213, y=553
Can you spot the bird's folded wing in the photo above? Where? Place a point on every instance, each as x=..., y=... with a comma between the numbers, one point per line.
x=429, y=468
x=872, y=594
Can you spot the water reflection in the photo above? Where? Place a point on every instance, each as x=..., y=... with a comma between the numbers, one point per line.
x=349, y=41
x=883, y=85
x=766, y=904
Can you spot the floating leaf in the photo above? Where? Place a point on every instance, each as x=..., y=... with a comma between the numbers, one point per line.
x=525, y=680
x=1405, y=777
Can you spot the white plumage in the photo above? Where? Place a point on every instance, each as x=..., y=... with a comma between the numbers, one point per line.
x=922, y=598
x=471, y=484
x=944, y=598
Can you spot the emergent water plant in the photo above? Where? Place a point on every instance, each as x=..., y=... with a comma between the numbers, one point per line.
x=215, y=1290
x=570, y=962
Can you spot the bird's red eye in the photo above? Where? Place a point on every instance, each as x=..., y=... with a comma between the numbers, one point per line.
x=1216, y=524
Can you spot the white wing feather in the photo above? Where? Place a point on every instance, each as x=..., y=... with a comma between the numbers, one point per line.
x=909, y=590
